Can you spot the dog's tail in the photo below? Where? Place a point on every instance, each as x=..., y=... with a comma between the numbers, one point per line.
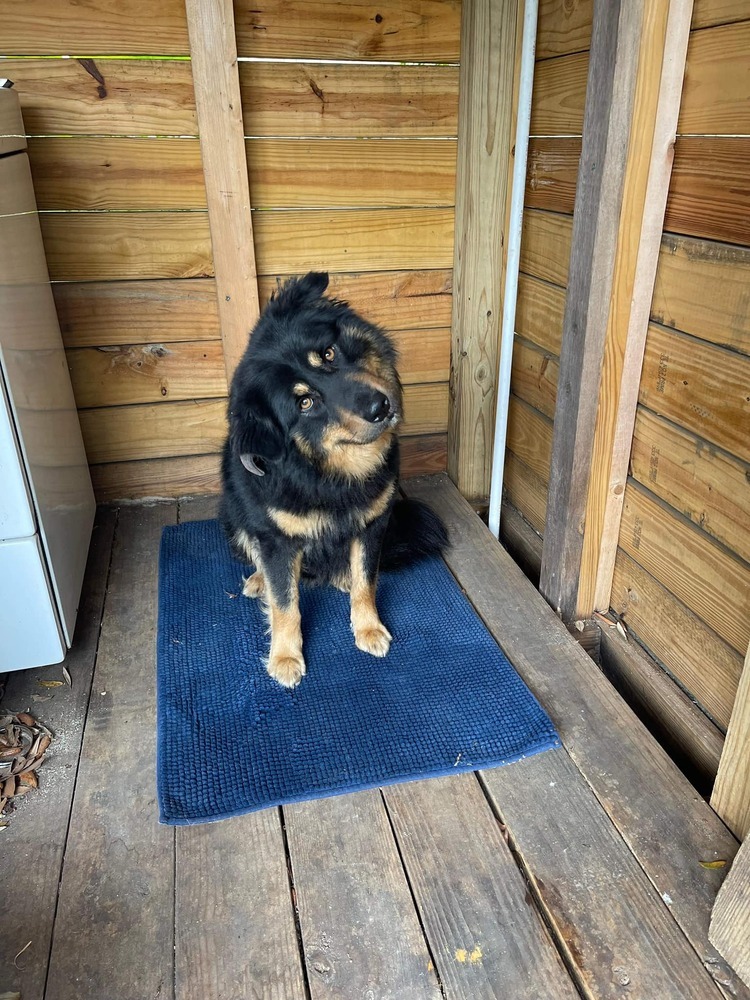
x=414, y=532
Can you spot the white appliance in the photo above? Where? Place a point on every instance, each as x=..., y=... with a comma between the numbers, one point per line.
x=46, y=500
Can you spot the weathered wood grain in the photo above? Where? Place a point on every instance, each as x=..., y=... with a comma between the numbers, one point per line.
x=156, y=477
x=701, y=387
x=708, y=195
x=530, y=437
x=147, y=373
x=534, y=376
x=488, y=46
x=117, y=891
x=352, y=892
x=730, y=921
x=527, y=492
x=680, y=724
x=652, y=805
x=115, y=313
x=539, y=313
x=545, y=246
x=677, y=637
x=701, y=288
x=700, y=573
x=34, y=840
x=704, y=483
x=487, y=940
x=716, y=94
x=552, y=173
x=600, y=903
x=327, y=100
x=731, y=795
x=559, y=95
x=420, y=30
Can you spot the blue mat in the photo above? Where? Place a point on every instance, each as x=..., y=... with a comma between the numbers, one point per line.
x=231, y=740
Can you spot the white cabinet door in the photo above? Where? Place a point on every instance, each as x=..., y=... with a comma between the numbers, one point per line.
x=30, y=634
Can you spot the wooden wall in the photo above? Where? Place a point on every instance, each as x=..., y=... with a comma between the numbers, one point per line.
x=351, y=166
x=682, y=575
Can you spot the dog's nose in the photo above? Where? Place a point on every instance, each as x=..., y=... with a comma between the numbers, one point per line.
x=379, y=408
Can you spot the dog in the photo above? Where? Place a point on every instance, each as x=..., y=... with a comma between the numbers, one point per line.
x=310, y=467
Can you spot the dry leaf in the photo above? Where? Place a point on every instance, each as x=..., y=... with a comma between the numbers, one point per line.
x=712, y=864
x=29, y=778
x=26, y=720
x=66, y=675
x=9, y=788
x=50, y=684
x=46, y=740
x=21, y=790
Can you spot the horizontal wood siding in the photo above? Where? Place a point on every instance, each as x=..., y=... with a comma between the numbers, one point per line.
x=351, y=166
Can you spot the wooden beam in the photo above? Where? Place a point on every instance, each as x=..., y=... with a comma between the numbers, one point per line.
x=213, y=51
x=731, y=794
x=488, y=39
x=636, y=69
x=729, y=931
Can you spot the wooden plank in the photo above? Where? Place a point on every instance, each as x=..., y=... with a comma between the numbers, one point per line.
x=43, y=27
x=565, y=28
x=716, y=94
x=12, y=132
x=348, y=880
x=616, y=929
x=700, y=387
x=530, y=437
x=488, y=41
x=147, y=373
x=709, y=196
x=552, y=173
x=329, y=100
x=701, y=288
x=680, y=724
x=486, y=938
x=731, y=794
x=703, y=575
x=260, y=957
x=155, y=98
x=422, y=31
x=545, y=246
x=83, y=246
x=107, y=96
x=113, y=173
x=95, y=246
x=424, y=454
x=34, y=838
x=661, y=66
x=730, y=921
x=213, y=55
x=366, y=239
x=116, y=313
x=522, y=541
x=627, y=49
x=118, y=860
x=666, y=826
x=539, y=314
x=527, y=492
x=171, y=429
x=707, y=667
x=534, y=376
x=156, y=477
x=703, y=483
x=559, y=95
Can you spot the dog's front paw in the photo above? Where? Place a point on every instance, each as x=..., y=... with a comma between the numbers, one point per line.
x=254, y=585
x=373, y=639
x=287, y=670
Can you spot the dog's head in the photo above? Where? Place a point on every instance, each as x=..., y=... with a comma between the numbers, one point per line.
x=318, y=378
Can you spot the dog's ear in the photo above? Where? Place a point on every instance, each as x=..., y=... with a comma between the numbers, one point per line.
x=300, y=292
x=255, y=434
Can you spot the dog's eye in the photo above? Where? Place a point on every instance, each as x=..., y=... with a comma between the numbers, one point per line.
x=306, y=403
x=329, y=354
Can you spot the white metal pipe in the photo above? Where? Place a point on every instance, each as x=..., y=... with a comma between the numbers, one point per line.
x=523, y=120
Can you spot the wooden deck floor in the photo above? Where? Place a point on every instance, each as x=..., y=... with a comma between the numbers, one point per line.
x=574, y=873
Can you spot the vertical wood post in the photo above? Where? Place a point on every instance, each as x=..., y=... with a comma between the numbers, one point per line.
x=635, y=75
x=213, y=51
x=731, y=794
x=485, y=120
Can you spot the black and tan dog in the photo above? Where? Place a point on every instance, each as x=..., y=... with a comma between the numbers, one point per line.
x=310, y=466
